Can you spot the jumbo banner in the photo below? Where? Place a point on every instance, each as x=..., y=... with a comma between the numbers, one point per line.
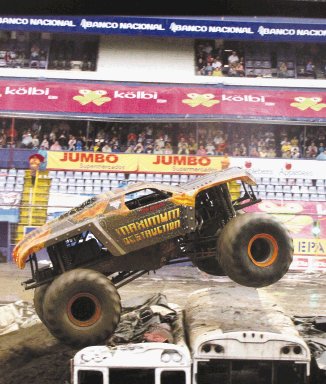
x=178, y=164
x=103, y=99
x=121, y=162
x=91, y=161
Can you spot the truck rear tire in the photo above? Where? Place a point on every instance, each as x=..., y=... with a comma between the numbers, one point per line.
x=39, y=293
x=255, y=250
x=210, y=266
x=82, y=307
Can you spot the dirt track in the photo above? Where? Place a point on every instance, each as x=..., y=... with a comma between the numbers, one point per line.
x=33, y=356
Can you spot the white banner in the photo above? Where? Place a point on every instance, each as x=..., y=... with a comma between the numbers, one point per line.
x=282, y=168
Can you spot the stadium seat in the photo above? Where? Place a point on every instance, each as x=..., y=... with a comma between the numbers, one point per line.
x=192, y=177
x=274, y=181
x=12, y=172
x=321, y=190
x=304, y=189
x=95, y=175
x=262, y=195
x=307, y=182
x=86, y=175
x=132, y=177
x=183, y=178
x=97, y=183
x=287, y=188
x=150, y=177
x=167, y=178
x=19, y=180
x=314, y=197
x=320, y=183
x=270, y=195
x=80, y=183
x=103, y=175
x=97, y=190
x=54, y=188
x=114, y=184
x=21, y=172
x=11, y=179
x=88, y=190
x=78, y=174
x=287, y=196
x=112, y=176
x=175, y=179
x=299, y=182
x=69, y=174
x=282, y=181
x=278, y=188
x=322, y=197
x=19, y=188
x=79, y=189
x=312, y=189
x=120, y=176
x=270, y=188
x=106, y=185
x=62, y=188
x=71, y=189
x=9, y=187
x=296, y=196
x=88, y=183
x=278, y=196
x=141, y=177
x=3, y=179
x=265, y=180
x=158, y=177
x=305, y=197
x=295, y=189
x=61, y=174
x=261, y=188
x=52, y=174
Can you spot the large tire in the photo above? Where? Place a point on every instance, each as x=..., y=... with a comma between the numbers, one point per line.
x=255, y=250
x=210, y=266
x=39, y=293
x=82, y=307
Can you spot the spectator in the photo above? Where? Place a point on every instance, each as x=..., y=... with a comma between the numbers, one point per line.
x=239, y=68
x=79, y=145
x=167, y=150
x=295, y=153
x=201, y=151
x=321, y=156
x=321, y=147
x=286, y=148
x=310, y=69
x=312, y=150
x=106, y=148
x=233, y=58
x=35, y=142
x=55, y=146
x=71, y=143
x=27, y=140
x=45, y=142
x=139, y=148
x=210, y=148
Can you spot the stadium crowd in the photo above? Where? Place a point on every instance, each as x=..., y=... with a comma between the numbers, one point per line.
x=204, y=139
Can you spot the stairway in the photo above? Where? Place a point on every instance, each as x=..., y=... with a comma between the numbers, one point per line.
x=34, y=202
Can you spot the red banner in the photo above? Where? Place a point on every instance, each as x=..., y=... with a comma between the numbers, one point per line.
x=96, y=98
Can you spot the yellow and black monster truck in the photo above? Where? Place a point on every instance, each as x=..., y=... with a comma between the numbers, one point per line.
x=115, y=237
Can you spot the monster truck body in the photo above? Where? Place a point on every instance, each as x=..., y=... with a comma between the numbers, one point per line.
x=126, y=233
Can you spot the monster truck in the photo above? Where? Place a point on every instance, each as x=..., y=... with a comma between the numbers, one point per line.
x=119, y=235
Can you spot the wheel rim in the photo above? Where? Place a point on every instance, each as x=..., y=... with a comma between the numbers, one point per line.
x=84, y=309
x=263, y=250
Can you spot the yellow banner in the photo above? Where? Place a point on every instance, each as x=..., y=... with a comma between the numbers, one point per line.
x=311, y=247
x=91, y=161
x=178, y=164
x=120, y=162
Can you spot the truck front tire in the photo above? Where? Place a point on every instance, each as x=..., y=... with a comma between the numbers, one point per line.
x=81, y=307
x=255, y=250
x=39, y=293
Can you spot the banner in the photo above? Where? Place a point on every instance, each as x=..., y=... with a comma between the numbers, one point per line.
x=200, y=102
x=309, y=247
x=281, y=168
x=239, y=28
x=178, y=164
x=91, y=161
